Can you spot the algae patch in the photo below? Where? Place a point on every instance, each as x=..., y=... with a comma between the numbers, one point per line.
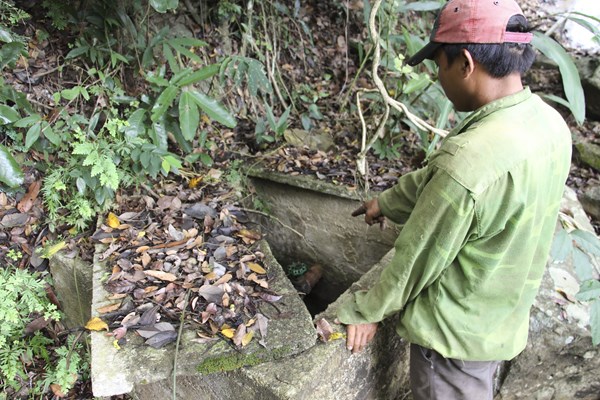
x=239, y=360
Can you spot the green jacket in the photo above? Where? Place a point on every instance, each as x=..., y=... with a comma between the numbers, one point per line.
x=478, y=225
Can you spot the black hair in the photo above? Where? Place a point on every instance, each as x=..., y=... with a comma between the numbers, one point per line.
x=499, y=60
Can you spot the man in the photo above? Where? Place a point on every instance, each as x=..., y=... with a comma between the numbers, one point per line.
x=478, y=219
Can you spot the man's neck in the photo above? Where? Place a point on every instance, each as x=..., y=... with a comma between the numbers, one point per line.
x=492, y=89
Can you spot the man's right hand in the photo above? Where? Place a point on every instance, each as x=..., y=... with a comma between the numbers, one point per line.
x=372, y=212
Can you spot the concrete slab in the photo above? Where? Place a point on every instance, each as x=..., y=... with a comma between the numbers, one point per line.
x=73, y=285
x=149, y=371
x=325, y=371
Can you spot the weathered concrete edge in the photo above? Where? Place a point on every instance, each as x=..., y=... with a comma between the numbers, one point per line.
x=316, y=377
x=304, y=182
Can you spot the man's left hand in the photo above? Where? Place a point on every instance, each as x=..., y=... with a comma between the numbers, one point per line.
x=358, y=336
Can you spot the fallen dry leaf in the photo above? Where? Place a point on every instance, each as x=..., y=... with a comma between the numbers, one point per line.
x=228, y=332
x=109, y=308
x=112, y=220
x=163, y=276
x=32, y=193
x=240, y=332
x=247, y=338
x=96, y=324
x=36, y=325
x=324, y=329
x=57, y=390
x=256, y=268
x=118, y=333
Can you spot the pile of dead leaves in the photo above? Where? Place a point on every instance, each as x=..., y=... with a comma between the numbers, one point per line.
x=171, y=255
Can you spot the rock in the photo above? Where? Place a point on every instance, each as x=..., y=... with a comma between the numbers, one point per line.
x=590, y=200
x=559, y=361
x=589, y=154
x=591, y=88
x=570, y=203
x=200, y=210
x=577, y=37
x=314, y=140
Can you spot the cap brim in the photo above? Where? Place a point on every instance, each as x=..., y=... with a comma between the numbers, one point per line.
x=426, y=52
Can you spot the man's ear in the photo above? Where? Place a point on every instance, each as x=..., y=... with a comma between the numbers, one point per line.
x=468, y=63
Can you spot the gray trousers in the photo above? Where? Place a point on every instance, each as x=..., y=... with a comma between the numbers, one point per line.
x=433, y=377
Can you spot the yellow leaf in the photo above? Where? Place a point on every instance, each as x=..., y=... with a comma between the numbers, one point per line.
x=248, y=234
x=116, y=344
x=247, y=338
x=256, y=268
x=228, y=332
x=112, y=220
x=141, y=234
x=96, y=324
x=336, y=336
x=194, y=182
x=49, y=251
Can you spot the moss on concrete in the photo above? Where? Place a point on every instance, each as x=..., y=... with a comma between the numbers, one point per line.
x=234, y=361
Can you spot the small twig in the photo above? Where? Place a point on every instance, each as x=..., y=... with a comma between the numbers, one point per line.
x=181, y=323
x=192, y=10
x=379, y=83
x=388, y=101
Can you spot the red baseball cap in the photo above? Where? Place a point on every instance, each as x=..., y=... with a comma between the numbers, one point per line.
x=472, y=21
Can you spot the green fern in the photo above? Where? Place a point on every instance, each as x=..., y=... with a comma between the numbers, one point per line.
x=22, y=297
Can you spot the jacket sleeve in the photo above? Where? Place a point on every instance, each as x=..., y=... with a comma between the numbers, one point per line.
x=397, y=202
x=440, y=224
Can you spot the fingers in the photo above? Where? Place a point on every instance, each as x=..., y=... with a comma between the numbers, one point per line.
x=359, y=336
x=371, y=211
x=360, y=210
x=350, y=332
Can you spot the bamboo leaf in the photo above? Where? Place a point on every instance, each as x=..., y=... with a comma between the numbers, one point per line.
x=189, y=116
x=136, y=125
x=570, y=76
x=199, y=75
x=10, y=173
x=163, y=102
x=33, y=134
x=214, y=109
x=8, y=115
x=163, y=6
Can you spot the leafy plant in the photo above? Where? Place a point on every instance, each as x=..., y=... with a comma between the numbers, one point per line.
x=10, y=173
x=190, y=101
x=14, y=45
x=581, y=247
x=277, y=126
x=59, y=13
x=575, y=101
x=163, y=6
x=22, y=299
